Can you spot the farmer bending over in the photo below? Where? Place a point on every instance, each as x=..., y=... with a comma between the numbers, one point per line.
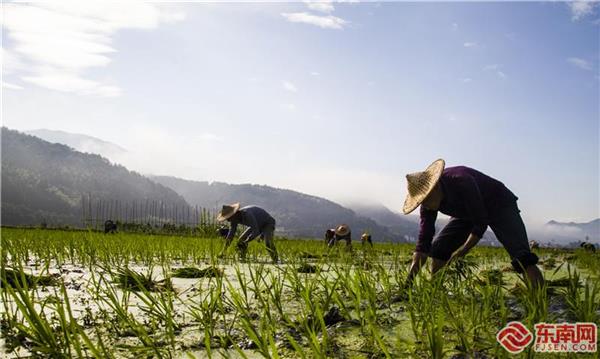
x=259, y=223
x=342, y=232
x=366, y=238
x=474, y=201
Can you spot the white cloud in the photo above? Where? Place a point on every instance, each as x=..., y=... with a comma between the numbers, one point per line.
x=66, y=81
x=315, y=73
x=210, y=137
x=288, y=86
x=496, y=69
x=60, y=40
x=581, y=9
x=10, y=62
x=466, y=80
x=454, y=26
x=288, y=106
x=470, y=44
x=580, y=63
x=321, y=6
x=325, y=22
x=10, y=86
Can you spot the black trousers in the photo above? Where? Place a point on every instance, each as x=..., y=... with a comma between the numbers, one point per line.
x=508, y=227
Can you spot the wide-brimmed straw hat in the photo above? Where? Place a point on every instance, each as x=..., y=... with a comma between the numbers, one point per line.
x=342, y=230
x=420, y=184
x=227, y=211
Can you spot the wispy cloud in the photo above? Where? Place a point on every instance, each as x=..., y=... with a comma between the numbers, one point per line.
x=288, y=106
x=470, y=44
x=60, y=40
x=581, y=9
x=325, y=22
x=10, y=86
x=454, y=26
x=210, y=137
x=466, y=80
x=321, y=6
x=288, y=86
x=315, y=73
x=580, y=63
x=495, y=68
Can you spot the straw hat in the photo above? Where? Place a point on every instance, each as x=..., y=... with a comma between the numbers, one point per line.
x=342, y=230
x=365, y=236
x=420, y=184
x=227, y=211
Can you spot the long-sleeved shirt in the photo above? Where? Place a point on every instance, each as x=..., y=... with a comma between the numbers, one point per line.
x=332, y=238
x=467, y=194
x=255, y=218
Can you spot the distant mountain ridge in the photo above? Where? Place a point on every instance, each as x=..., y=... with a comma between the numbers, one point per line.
x=572, y=231
x=80, y=142
x=397, y=223
x=45, y=182
x=297, y=214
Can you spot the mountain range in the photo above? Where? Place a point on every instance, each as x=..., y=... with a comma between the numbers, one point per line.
x=47, y=182
x=81, y=143
x=567, y=232
x=297, y=214
x=45, y=178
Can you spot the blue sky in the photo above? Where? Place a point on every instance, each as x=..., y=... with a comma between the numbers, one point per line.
x=334, y=99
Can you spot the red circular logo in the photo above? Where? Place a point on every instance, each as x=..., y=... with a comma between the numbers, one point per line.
x=514, y=337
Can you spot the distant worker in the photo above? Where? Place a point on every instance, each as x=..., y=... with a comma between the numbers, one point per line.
x=366, y=238
x=588, y=247
x=341, y=232
x=223, y=232
x=534, y=245
x=259, y=223
x=110, y=227
x=474, y=201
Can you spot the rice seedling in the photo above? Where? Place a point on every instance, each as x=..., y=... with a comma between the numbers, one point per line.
x=583, y=301
x=83, y=294
x=11, y=277
x=193, y=272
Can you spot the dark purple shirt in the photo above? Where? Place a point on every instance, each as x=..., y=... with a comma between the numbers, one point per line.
x=468, y=194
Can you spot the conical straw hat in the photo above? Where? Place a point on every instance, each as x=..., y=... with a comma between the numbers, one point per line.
x=420, y=184
x=342, y=230
x=227, y=211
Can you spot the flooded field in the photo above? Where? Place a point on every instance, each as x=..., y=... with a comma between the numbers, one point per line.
x=85, y=294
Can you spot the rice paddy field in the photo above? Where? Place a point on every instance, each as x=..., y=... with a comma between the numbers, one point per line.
x=85, y=294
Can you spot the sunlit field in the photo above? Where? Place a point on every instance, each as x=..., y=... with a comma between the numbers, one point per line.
x=87, y=294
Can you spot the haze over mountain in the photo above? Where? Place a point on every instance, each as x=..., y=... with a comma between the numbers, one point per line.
x=42, y=181
x=397, y=223
x=564, y=233
x=81, y=143
x=297, y=214
x=45, y=182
